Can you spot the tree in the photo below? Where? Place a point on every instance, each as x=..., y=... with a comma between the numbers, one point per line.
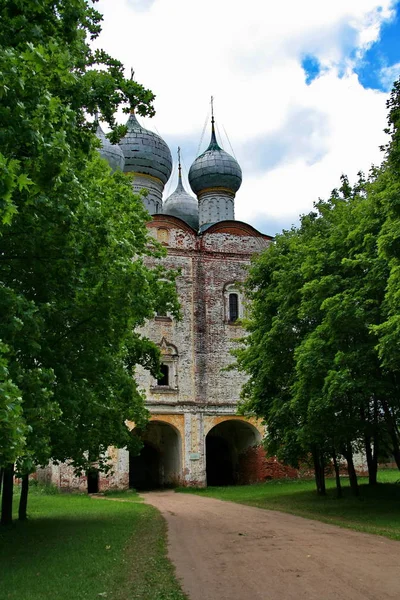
x=388, y=331
x=311, y=353
x=73, y=243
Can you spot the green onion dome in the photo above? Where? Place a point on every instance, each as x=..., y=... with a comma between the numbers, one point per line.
x=182, y=205
x=215, y=168
x=145, y=152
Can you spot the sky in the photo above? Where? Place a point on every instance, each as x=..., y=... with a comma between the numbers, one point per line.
x=300, y=89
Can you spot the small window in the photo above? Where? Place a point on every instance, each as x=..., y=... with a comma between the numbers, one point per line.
x=164, y=379
x=233, y=307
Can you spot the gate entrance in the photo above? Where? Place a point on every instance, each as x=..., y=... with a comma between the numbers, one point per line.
x=159, y=463
x=224, y=445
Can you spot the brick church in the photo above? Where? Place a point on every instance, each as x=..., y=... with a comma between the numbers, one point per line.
x=194, y=436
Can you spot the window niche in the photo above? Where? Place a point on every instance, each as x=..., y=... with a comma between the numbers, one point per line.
x=233, y=307
x=233, y=304
x=163, y=236
x=160, y=316
x=164, y=378
x=168, y=379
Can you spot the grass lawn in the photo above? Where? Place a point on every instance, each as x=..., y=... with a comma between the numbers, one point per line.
x=377, y=510
x=74, y=547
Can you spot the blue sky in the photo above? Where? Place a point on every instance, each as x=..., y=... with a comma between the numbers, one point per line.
x=384, y=54
x=300, y=88
x=376, y=66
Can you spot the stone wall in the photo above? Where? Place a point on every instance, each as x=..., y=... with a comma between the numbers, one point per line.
x=255, y=466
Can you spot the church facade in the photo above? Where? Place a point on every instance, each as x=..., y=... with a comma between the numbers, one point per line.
x=194, y=436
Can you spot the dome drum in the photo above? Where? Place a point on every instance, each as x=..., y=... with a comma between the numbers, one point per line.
x=216, y=206
x=154, y=188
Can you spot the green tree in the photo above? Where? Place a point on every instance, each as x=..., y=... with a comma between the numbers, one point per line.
x=389, y=247
x=317, y=298
x=73, y=246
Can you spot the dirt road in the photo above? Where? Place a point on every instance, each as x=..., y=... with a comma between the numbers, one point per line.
x=226, y=551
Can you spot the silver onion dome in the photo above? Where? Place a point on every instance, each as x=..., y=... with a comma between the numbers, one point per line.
x=215, y=168
x=181, y=204
x=112, y=153
x=145, y=152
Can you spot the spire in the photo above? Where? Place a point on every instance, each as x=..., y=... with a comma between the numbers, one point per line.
x=132, y=122
x=180, y=183
x=213, y=142
x=180, y=186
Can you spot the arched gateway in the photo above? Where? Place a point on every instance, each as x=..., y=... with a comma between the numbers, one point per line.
x=159, y=462
x=225, y=443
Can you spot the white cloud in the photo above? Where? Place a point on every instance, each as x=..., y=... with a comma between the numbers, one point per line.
x=248, y=55
x=388, y=75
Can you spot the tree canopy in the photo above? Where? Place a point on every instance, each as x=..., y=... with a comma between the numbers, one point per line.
x=323, y=329
x=74, y=285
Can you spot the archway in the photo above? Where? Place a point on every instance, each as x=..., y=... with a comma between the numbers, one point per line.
x=159, y=462
x=224, y=445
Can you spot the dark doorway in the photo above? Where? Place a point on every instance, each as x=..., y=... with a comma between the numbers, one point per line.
x=159, y=462
x=92, y=481
x=225, y=444
x=219, y=462
x=144, y=470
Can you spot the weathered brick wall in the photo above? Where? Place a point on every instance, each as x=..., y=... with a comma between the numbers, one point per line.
x=204, y=337
x=179, y=334
x=255, y=466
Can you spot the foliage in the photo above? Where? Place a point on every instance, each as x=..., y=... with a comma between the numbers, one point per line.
x=13, y=428
x=324, y=330
x=74, y=285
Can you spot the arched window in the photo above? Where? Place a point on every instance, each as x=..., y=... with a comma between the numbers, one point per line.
x=233, y=303
x=233, y=307
x=167, y=382
x=164, y=379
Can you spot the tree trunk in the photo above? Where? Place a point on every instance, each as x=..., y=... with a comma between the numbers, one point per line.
x=337, y=475
x=7, y=496
x=23, y=501
x=1, y=478
x=319, y=472
x=348, y=454
x=392, y=432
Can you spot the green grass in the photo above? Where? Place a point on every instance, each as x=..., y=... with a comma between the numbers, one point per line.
x=75, y=547
x=377, y=510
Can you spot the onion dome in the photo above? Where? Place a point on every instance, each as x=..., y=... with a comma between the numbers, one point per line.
x=181, y=204
x=215, y=168
x=112, y=153
x=145, y=152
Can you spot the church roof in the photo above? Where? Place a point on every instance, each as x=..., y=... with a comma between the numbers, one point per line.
x=215, y=168
x=145, y=152
x=181, y=204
